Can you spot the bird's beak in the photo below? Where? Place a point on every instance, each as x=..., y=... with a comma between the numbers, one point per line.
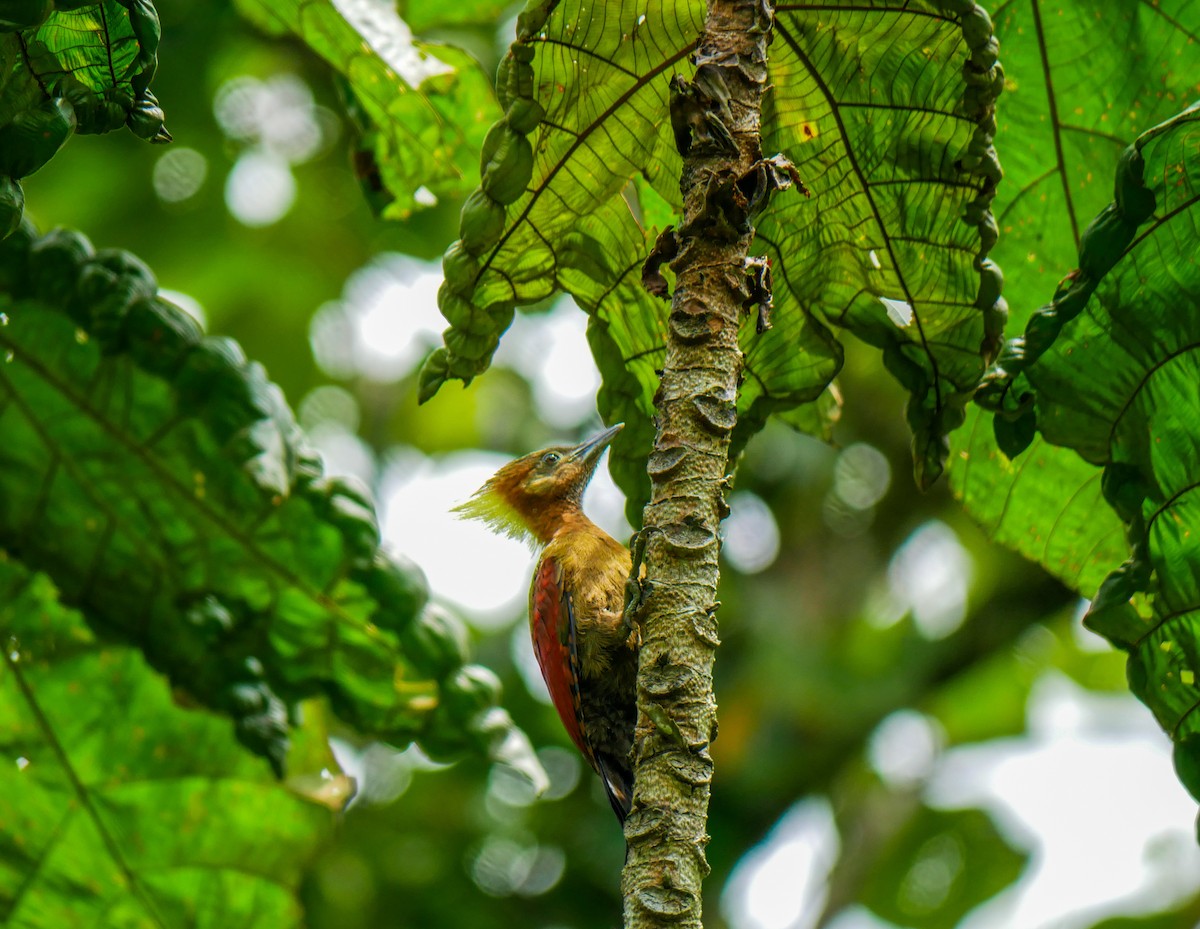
x=588, y=452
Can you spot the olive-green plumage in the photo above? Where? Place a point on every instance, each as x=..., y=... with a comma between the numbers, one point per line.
x=587, y=657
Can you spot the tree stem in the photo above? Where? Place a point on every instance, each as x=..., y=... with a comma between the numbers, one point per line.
x=717, y=122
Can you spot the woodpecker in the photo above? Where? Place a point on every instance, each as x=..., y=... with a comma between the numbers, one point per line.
x=583, y=646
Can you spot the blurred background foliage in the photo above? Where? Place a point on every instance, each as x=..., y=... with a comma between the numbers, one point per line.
x=912, y=719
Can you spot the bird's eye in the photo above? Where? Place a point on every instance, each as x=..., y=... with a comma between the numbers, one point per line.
x=551, y=458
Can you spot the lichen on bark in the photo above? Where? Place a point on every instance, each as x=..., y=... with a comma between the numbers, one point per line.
x=725, y=182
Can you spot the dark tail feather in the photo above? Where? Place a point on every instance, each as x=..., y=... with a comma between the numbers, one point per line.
x=618, y=784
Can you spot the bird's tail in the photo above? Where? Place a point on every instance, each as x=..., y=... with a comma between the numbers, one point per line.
x=617, y=785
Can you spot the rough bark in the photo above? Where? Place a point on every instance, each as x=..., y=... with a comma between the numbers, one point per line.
x=725, y=181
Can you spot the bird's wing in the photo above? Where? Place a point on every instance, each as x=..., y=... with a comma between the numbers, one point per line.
x=552, y=621
x=555, y=642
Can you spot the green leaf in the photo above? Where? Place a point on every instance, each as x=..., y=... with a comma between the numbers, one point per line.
x=1118, y=386
x=87, y=68
x=892, y=132
x=1074, y=96
x=1082, y=82
x=586, y=90
x=98, y=57
x=121, y=808
x=423, y=15
x=1047, y=505
x=161, y=480
x=940, y=867
x=1186, y=915
x=423, y=109
x=819, y=417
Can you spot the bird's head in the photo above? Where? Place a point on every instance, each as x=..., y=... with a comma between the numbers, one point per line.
x=529, y=498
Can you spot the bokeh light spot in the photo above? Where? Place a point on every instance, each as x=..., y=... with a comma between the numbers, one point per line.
x=861, y=475
x=475, y=570
x=342, y=452
x=501, y=865
x=929, y=577
x=904, y=748
x=927, y=884
x=780, y=884
x=563, y=769
x=545, y=872
x=751, y=535
x=329, y=403
x=385, y=323
x=179, y=174
x=260, y=189
x=276, y=115
x=551, y=351
x=510, y=787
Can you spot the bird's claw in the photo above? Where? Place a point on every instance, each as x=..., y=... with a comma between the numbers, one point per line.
x=636, y=590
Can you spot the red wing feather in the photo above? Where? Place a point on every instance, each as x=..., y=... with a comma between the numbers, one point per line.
x=552, y=622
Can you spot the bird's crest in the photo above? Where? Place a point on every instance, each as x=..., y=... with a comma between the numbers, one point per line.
x=490, y=505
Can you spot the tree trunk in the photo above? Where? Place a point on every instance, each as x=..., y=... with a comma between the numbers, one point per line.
x=724, y=183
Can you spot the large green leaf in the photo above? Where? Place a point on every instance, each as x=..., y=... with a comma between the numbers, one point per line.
x=1046, y=504
x=1114, y=365
x=1082, y=82
x=887, y=111
x=423, y=108
x=85, y=68
x=1077, y=91
x=888, y=129
x=119, y=808
x=161, y=480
